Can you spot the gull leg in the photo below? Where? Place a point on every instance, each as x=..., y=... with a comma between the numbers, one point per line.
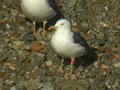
x=60, y=69
x=72, y=63
x=44, y=31
x=34, y=27
x=36, y=32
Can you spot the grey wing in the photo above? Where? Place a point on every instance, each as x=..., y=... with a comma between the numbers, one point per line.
x=54, y=6
x=52, y=3
x=79, y=39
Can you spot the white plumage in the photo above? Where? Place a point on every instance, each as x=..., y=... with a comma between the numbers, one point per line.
x=37, y=9
x=63, y=40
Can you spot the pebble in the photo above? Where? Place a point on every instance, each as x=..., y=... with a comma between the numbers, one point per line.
x=8, y=26
x=13, y=88
x=117, y=64
x=101, y=30
x=19, y=43
x=49, y=63
x=73, y=77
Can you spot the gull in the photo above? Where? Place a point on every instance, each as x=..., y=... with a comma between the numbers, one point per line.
x=67, y=43
x=38, y=10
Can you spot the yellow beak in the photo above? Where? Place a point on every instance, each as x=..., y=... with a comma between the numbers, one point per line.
x=52, y=28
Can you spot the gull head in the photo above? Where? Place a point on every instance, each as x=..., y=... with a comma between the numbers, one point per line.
x=62, y=23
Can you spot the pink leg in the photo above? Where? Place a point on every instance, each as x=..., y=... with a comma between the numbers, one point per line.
x=72, y=61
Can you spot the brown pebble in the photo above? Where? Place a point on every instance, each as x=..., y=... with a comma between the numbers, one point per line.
x=36, y=46
x=2, y=74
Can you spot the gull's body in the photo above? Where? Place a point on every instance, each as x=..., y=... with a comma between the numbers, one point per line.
x=63, y=40
x=37, y=9
x=67, y=43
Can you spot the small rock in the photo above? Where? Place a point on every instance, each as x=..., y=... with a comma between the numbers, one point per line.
x=13, y=88
x=103, y=66
x=49, y=63
x=2, y=74
x=19, y=43
x=73, y=77
x=36, y=46
x=117, y=65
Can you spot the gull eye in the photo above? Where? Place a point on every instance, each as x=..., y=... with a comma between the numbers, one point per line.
x=62, y=24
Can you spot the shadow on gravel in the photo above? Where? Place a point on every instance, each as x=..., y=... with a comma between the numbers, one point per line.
x=85, y=60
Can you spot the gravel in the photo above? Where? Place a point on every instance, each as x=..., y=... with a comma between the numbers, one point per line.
x=28, y=63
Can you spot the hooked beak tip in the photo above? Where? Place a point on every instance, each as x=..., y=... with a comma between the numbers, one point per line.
x=52, y=28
